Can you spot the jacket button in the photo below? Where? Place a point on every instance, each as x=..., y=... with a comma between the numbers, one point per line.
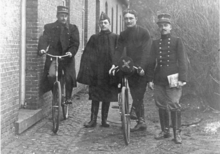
x=160, y=65
x=168, y=42
x=167, y=65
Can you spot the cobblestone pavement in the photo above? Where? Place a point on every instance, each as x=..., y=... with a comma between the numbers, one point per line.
x=73, y=138
x=40, y=139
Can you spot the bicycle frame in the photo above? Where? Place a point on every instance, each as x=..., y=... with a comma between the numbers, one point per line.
x=58, y=95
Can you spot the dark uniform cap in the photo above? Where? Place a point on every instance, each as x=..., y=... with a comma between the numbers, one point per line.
x=164, y=18
x=62, y=9
x=130, y=11
x=104, y=16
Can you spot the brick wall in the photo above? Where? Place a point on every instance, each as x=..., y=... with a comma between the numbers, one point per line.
x=46, y=14
x=39, y=13
x=9, y=66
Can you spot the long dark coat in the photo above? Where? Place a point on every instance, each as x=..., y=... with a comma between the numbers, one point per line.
x=167, y=57
x=95, y=63
x=60, y=39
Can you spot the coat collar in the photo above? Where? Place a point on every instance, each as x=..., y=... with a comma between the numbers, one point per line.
x=57, y=24
x=104, y=32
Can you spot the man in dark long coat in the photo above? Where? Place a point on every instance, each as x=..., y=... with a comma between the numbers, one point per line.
x=168, y=59
x=95, y=64
x=60, y=38
x=137, y=41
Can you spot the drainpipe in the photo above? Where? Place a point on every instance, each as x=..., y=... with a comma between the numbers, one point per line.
x=22, y=53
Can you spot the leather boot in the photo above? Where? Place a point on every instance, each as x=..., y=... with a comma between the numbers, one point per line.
x=69, y=90
x=105, y=109
x=164, y=123
x=133, y=115
x=141, y=125
x=94, y=113
x=176, y=122
x=68, y=97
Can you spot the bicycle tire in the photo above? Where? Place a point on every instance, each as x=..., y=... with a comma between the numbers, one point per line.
x=125, y=115
x=65, y=107
x=56, y=104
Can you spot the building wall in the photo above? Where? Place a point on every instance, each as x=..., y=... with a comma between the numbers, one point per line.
x=38, y=13
x=10, y=25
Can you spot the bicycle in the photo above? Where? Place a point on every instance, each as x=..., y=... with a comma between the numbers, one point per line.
x=126, y=68
x=59, y=94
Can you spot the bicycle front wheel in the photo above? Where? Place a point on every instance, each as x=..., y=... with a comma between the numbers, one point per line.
x=56, y=103
x=125, y=116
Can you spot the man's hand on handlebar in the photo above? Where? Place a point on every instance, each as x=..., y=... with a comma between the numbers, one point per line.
x=69, y=54
x=151, y=85
x=112, y=70
x=42, y=51
x=140, y=71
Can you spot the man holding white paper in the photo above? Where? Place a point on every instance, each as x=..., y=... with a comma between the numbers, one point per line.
x=167, y=72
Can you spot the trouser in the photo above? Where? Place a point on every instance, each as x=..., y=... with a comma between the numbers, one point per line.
x=168, y=99
x=67, y=78
x=137, y=88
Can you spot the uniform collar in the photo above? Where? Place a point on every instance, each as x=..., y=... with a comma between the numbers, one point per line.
x=57, y=24
x=165, y=36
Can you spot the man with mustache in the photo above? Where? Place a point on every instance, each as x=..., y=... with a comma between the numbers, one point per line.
x=168, y=59
x=136, y=41
x=61, y=38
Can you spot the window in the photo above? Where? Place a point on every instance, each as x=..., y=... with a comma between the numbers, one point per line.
x=112, y=19
x=83, y=24
x=117, y=19
x=97, y=15
x=106, y=8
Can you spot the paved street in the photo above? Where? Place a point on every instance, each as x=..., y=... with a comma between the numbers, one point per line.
x=73, y=138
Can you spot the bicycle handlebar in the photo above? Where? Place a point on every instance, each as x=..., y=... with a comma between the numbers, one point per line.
x=56, y=56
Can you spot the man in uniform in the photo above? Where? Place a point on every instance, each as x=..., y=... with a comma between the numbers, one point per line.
x=95, y=63
x=135, y=40
x=168, y=59
x=60, y=38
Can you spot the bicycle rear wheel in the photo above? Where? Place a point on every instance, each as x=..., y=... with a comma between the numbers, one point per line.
x=56, y=103
x=125, y=116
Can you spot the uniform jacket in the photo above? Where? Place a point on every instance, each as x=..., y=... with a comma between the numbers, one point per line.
x=167, y=57
x=137, y=41
x=95, y=63
x=60, y=39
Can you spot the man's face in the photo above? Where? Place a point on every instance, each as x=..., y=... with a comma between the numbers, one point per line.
x=164, y=28
x=104, y=24
x=62, y=18
x=130, y=20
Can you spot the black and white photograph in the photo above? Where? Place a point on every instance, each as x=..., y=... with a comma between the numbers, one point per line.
x=110, y=76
